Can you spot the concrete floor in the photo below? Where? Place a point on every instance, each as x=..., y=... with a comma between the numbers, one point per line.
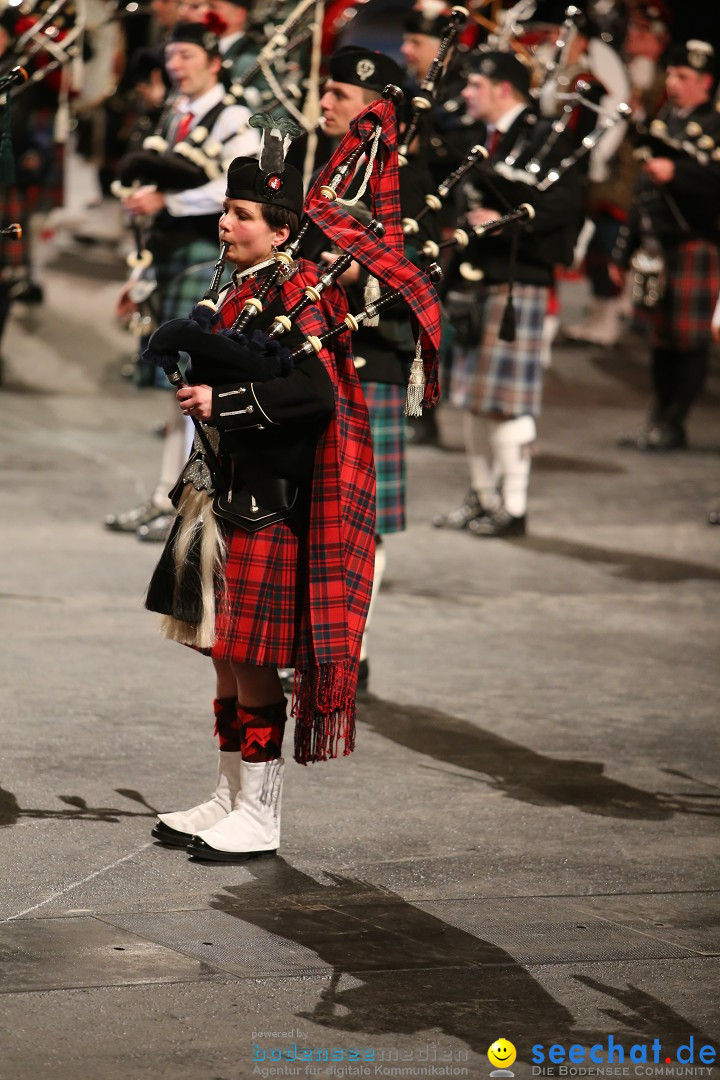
x=524, y=844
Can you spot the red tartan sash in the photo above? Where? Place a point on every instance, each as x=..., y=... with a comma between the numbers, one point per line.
x=384, y=259
x=341, y=538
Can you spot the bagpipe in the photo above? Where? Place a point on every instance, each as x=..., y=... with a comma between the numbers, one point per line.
x=74, y=47
x=653, y=139
x=538, y=173
x=198, y=158
x=232, y=354
x=423, y=101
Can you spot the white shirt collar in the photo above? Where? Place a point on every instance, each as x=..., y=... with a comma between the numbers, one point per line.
x=507, y=120
x=229, y=40
x=202, y=105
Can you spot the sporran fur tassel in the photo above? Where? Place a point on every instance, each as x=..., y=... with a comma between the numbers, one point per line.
x=198, y=541
x=416, y=384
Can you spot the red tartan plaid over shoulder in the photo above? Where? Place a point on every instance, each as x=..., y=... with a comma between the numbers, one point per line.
x=384, y=259
x=341, y=538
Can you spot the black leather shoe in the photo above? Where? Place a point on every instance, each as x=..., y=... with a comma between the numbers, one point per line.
x=27, y=292
x=200, y=850
x=170, y=837
x=655, y=438
x=498, y=523
x=469, y=510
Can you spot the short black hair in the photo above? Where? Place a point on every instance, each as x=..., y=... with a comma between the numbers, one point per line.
x=278, y=216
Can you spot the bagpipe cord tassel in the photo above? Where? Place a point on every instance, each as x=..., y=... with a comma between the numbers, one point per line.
x=198, y=529
x=375, y=140
x=416, y=384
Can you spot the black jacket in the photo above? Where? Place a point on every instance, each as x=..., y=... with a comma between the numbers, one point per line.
x=544, y=242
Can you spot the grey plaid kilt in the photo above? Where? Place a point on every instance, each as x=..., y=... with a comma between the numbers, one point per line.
x=502, y=376
x=386, y=409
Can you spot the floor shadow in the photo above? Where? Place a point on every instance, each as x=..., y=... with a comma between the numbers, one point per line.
x=395, y=968
x=77, y=809
x=518, y=772
x=630, y=565
x=647, y=1015
x=561, y=463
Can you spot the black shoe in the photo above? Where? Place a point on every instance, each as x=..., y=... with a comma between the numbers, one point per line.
x=170, y=837
x=200, y=850
x=498, y=523
x=27, y=292
x=469, y=510
x=655, y=438
x=714, y=517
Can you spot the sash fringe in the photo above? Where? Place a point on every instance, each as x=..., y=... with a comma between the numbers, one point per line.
x=324, y=710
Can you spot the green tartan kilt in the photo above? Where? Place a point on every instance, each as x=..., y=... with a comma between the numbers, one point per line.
x=183, y=276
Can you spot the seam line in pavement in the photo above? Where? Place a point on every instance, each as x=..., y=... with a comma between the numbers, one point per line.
x=75, y=884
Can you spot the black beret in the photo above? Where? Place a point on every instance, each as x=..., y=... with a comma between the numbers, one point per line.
x=246, y=180
x=143, y=62
x=420, y=22
x=194, y=34
x=502, y=67
x=363, y=67
x=698, y=55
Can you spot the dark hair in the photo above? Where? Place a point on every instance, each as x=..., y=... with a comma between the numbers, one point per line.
x=278, y=216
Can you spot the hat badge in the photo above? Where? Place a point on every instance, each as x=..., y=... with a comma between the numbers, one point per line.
x=488, y=67
x=273, y=184
x=699, y=53
x=364, y=69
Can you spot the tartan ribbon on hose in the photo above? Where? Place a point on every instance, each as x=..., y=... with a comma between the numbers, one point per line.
x=383, y=258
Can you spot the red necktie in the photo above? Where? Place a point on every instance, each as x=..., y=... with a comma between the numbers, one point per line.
x=492, y=142
x=183, y=127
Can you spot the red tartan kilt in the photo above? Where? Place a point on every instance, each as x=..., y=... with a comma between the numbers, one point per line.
x=260, y=610
x=683, y=316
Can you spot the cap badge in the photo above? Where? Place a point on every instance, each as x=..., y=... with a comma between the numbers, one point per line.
x=699, y=54
x=273, y=185
x=364, y=69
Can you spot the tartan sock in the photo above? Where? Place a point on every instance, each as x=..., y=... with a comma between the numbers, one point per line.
x=263, y=727
x=228, y=727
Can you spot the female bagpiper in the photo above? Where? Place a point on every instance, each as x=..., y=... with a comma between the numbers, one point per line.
x=293, y=493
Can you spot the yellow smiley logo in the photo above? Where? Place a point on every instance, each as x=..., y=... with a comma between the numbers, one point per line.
x=502, y=1053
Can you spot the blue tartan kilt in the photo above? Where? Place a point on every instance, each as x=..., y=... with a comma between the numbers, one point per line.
x=502, y=376
x=386, y=409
